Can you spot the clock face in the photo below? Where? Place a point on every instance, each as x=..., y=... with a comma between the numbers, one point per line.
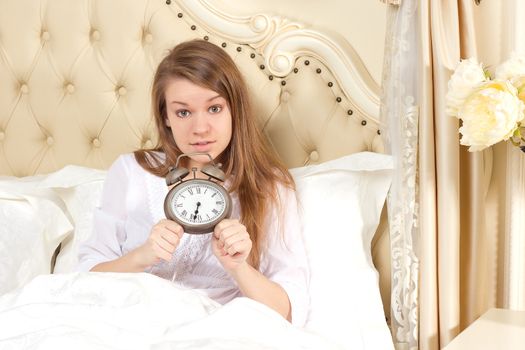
x=198, y=205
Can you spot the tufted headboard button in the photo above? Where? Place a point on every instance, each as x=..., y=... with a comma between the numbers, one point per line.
x=121, y=91
x=148, y=144
x=24, y=88
x=314, y=156
x=45, y=36
x=2, y=136
x=96, y=142
x=95, y=35
x=50, y=141
x=70, y=88
x=148, y=38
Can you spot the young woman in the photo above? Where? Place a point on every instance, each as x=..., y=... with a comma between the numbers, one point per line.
x=201, y=104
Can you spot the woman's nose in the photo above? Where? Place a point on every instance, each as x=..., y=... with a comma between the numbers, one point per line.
x=200, y=123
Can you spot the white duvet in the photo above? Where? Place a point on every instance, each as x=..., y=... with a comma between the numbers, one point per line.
x=138, y=311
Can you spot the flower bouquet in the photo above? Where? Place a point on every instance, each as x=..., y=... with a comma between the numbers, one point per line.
x=491, y=109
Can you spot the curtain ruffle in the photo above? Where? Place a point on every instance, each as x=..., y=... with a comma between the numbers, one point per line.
x=399, y=111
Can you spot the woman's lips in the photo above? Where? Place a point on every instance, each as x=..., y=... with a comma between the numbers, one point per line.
x=202, y=146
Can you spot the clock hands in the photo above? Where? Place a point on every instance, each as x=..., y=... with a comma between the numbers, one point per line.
x=196, y=211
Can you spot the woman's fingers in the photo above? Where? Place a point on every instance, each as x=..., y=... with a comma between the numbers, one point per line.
x=232, y=237
x=225, y=224
x=228, y=228
x=167, y=244
x=172, y=226
x=162, y=253
x=165, y=238
x=231, y=244
x=236, y=237
x=238, y=247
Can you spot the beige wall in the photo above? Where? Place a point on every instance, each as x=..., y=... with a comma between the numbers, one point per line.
x=366, y=33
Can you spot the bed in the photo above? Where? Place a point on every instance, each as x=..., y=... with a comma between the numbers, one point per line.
x=74, y=95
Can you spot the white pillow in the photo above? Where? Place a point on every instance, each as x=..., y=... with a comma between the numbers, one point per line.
x=80, y=189
x=341, y=202
x=33, y=223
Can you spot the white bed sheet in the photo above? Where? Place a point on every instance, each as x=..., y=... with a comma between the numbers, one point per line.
x=138, y=311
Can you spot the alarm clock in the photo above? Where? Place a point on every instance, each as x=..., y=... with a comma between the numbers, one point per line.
x=197, y=204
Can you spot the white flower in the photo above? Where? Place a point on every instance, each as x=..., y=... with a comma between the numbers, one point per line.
x=512, y=68
x=467, y=75
x=519, y=83
x=490, y=114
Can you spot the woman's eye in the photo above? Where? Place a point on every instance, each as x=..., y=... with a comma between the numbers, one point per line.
x=183, y=113
x=215, y=109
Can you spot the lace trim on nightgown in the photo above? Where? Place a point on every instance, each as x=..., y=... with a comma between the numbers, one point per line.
x=189, y=247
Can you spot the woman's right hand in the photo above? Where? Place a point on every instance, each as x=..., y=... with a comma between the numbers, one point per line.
x=164, y=238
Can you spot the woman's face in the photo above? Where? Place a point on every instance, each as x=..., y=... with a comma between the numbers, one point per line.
x=199, y=118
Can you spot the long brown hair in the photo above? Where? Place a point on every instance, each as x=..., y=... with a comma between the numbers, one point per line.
x=256, y=168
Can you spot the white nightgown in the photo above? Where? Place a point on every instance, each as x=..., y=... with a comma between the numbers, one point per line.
x=132, y=202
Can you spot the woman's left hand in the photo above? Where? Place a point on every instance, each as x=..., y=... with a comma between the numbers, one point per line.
x=231, y=243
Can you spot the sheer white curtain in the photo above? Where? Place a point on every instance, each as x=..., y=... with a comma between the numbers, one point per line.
x=400, y=113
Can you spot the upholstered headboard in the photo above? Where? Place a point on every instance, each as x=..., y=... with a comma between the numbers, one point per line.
x=75, y=81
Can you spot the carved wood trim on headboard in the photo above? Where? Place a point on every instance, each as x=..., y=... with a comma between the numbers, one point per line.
x=282, y=42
